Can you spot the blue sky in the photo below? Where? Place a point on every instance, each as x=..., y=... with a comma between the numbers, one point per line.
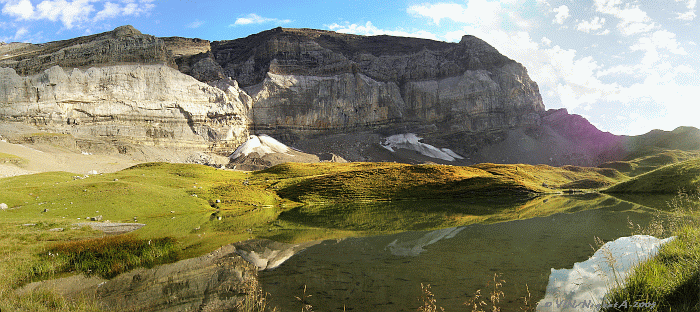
x=628, y=66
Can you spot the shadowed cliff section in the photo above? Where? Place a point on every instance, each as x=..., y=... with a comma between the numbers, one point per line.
x=123, y=45
x=320, y=52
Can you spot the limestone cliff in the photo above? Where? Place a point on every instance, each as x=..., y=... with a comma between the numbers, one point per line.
x=321, y=80
x=143, y=104
x=123, y=45
x=318, y=91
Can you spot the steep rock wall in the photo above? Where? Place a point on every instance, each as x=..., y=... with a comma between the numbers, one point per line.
x=123, y=45
x=145, y=104
x=312, y=79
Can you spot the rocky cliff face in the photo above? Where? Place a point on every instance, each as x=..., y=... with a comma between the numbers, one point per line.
x=320, y=80
x=319, y=91
x=123, y=45
x=144, y=104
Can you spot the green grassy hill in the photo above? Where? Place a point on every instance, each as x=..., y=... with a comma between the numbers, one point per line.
x=665, y=180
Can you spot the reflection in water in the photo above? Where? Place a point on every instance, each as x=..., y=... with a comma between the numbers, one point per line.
x=584, y=286
x=384, y=273
x=415, y=247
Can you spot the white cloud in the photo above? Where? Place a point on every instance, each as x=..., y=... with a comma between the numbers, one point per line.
x=257, y=19
x=588, y=26
x=22, y=9
x=562, y=14
x=546, y=41
x=477, y=12
x=110, y=10
x=74, y=13
x=20, y=33
x=129, y=8
x=370, y=30
x=195, y=24
x=68, y=12
x=633, y=20
x=690, y=14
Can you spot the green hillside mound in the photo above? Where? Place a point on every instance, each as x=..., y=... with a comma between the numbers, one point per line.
x=665, y=180
x=651, y=161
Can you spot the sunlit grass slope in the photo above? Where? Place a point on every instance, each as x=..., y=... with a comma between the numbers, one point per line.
x=389, y=181
x=652, y=161
x=196, y=209
x=665, y=180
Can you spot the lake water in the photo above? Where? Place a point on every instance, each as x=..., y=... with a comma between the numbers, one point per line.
x=384, y=273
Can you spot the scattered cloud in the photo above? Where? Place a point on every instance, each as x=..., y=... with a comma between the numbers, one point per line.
x=195, y=24
x=370, y=30
x=476, y=12
x=690, y=14
x=588, y=26
x=73, y=13
x=253, y=18
x=546, y=41
x=633, y=20
x=562, y=14
x=22, y=9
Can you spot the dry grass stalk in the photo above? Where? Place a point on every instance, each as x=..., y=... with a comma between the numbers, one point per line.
x=305, y=306
x=428, y=299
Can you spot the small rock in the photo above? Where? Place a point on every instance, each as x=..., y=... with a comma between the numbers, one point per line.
x=3, y=206
x=218, y=201
x=56, y=230
x=45, y=210
x=28, y=224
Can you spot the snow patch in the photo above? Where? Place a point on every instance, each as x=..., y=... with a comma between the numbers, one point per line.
x=584, y=286
x=262, y=145
x=412, y=142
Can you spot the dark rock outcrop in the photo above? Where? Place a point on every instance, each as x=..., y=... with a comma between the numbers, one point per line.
x=123, y=45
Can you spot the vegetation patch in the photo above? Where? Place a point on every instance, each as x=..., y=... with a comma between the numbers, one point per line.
x=665, y=180
x=12, y=159
x=106, y=256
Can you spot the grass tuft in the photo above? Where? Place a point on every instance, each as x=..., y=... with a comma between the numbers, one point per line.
x=107, y=256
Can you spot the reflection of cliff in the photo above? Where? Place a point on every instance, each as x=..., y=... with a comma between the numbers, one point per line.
x=213, y=282
x=266, y=254
x=384, y=273
x=583, y=287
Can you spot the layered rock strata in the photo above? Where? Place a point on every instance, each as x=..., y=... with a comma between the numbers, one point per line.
x=320, y=80
x=143, y=104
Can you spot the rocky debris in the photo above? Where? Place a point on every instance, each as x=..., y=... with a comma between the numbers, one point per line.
x=263, y=151
x=3, y=206
x=97, y=218
x=330, y=157
x=113, y=228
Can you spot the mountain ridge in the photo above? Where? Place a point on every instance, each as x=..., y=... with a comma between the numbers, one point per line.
x=319, y=91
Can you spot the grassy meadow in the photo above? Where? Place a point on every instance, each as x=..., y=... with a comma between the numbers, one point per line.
x=190, y=210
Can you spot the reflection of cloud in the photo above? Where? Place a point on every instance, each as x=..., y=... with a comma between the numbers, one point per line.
x=415, y=247
x=589, y=281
